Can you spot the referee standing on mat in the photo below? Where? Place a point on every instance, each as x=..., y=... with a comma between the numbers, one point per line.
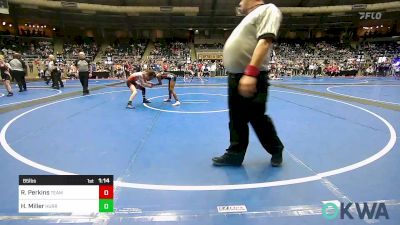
x=245, y=60
x=84, y=68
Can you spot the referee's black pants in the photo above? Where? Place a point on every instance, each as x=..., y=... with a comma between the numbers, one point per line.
x=19, y=76
x=56, y=79
x=244, y=110
x=84, y=78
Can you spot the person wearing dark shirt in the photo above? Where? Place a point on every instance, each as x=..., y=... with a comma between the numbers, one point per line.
x=171, y=86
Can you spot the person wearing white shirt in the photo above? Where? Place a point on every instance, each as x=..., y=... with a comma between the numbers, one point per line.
x=245, y=60
x=18, y=68
x=213, y=69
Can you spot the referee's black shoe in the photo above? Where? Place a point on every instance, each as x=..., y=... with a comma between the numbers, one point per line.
x=276, y=160
x=145, y=100
x=229, y=159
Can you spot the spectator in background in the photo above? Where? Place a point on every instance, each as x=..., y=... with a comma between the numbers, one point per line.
x=18, y=71
x=213, y=68
x=370, y=70
x=30, y=64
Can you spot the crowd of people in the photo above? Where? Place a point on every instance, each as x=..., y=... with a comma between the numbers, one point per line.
x=123, y=50
x=288, y=58
x=71, y=50
x=176, y=52
x=119, y=59
x=29, y=48
x=323, y=58
x=122, y=59
x=210, y=46
x=40, y=49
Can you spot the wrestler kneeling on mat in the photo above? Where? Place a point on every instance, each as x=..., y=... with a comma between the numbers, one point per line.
x=171, y=86
x=139, y=80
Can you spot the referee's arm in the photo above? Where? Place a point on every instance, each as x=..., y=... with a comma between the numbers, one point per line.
x=260, y=52
x=248, y=83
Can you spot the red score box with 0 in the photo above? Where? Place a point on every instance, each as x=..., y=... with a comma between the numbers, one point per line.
x=106, y=192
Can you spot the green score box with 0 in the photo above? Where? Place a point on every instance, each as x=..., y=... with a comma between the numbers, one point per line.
x=66, y=194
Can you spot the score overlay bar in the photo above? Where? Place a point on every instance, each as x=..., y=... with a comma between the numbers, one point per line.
x=65, y=193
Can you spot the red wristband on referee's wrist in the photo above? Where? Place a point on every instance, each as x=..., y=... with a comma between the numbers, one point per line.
x=252, y=71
